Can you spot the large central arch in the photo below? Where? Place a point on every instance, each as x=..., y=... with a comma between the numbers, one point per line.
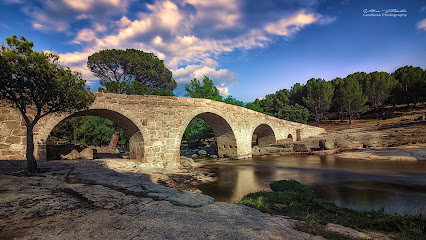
x=225, y=137
x=132, y=131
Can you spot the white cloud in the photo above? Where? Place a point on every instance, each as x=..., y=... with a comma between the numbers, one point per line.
x=207, y=68
x=223, y=90
x=289, y=25
x=422, y=24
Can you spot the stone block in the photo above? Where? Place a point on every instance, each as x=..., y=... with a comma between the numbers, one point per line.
x=326, y=144
x=13, y=124
x=301, y=147
x=14, y=140
x=17, y=147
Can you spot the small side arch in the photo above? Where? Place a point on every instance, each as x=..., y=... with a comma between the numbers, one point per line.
x=265, y=136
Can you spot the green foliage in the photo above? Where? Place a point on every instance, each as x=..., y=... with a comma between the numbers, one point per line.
x=233, y=101
x=297, y=92
x=378, y=87
x=133, y=88
x=207, y=90
x=90, y=130
x=319, y=94
x=131, y=71
x=197, y=130
x=294, y=113
x=290, y=198
x=97, y=130
x=255, y=106
x=351, y=96
x=35, y=80
x=411, y=86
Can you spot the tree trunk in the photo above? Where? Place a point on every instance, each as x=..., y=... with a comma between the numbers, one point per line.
x=316, y=117
x=115, y=137
x=350, y=118
x=31, y=162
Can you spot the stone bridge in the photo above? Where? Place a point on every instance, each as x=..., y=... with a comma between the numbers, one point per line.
x=155, y=126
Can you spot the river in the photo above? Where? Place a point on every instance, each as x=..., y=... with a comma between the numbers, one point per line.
x=396, y=186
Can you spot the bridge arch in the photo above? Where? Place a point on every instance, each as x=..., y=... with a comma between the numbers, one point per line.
x=224, y=133
x=265, y=135
x=126, y=121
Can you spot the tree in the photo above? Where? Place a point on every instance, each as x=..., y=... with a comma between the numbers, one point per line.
x=197, y=129
x=121, y=70
x=231, y=100
x=336, y=104
x=255, y=106
x=411, y=86
x=351, y=96
x=378, y=87
x=97, y=131
x=294, y=113
x=34, y=81
x=296, y=94
x=207, y=90
x=318, y=97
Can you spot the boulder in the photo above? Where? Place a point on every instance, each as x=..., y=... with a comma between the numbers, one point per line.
x=300, y=147
x=213, y=156
x=194, y=155
x=87, y=153
x=326, y=144
x=187, y=162
x=73, y=155
x=202, y=152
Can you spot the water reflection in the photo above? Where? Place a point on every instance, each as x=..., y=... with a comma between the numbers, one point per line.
x=394, y=185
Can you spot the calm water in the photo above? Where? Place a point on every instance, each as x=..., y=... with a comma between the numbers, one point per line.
x=397, y=186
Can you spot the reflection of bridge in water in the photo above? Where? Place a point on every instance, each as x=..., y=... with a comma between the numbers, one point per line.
x=155, y=126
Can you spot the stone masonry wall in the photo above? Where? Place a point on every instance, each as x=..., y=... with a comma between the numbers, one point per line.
x=159, y=123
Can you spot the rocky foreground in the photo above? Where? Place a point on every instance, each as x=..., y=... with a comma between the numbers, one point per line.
x=85, y=200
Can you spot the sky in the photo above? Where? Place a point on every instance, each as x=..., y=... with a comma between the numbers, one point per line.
x=249, y=48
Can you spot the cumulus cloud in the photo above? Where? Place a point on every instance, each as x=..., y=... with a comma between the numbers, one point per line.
x=207, y=68
x=422, y=24
x=189, y=35
x=223, y=90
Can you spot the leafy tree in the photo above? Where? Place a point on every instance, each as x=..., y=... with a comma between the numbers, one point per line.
x=197, y=129
x=297, y=93
x=319, y=94
x=255, y=106
x=35, y=82
x=336, y=104
x=351, y=96
x=233, y=101
x=68, y=129
x=378, y=87
x=294, y=113
x=411, y=86
x=131, y=71
x=361, y=77
x=89, y=130
x=97, y=130
x=207, y=90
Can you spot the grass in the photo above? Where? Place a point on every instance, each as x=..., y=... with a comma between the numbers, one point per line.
x=290, y=198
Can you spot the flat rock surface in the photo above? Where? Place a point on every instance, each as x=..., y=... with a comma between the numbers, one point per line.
x=85, y=200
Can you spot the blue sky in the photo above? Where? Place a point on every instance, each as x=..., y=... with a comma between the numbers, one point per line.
x=249, y=48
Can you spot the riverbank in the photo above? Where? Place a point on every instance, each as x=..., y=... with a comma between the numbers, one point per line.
x=84, y=199
x=290, y=198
